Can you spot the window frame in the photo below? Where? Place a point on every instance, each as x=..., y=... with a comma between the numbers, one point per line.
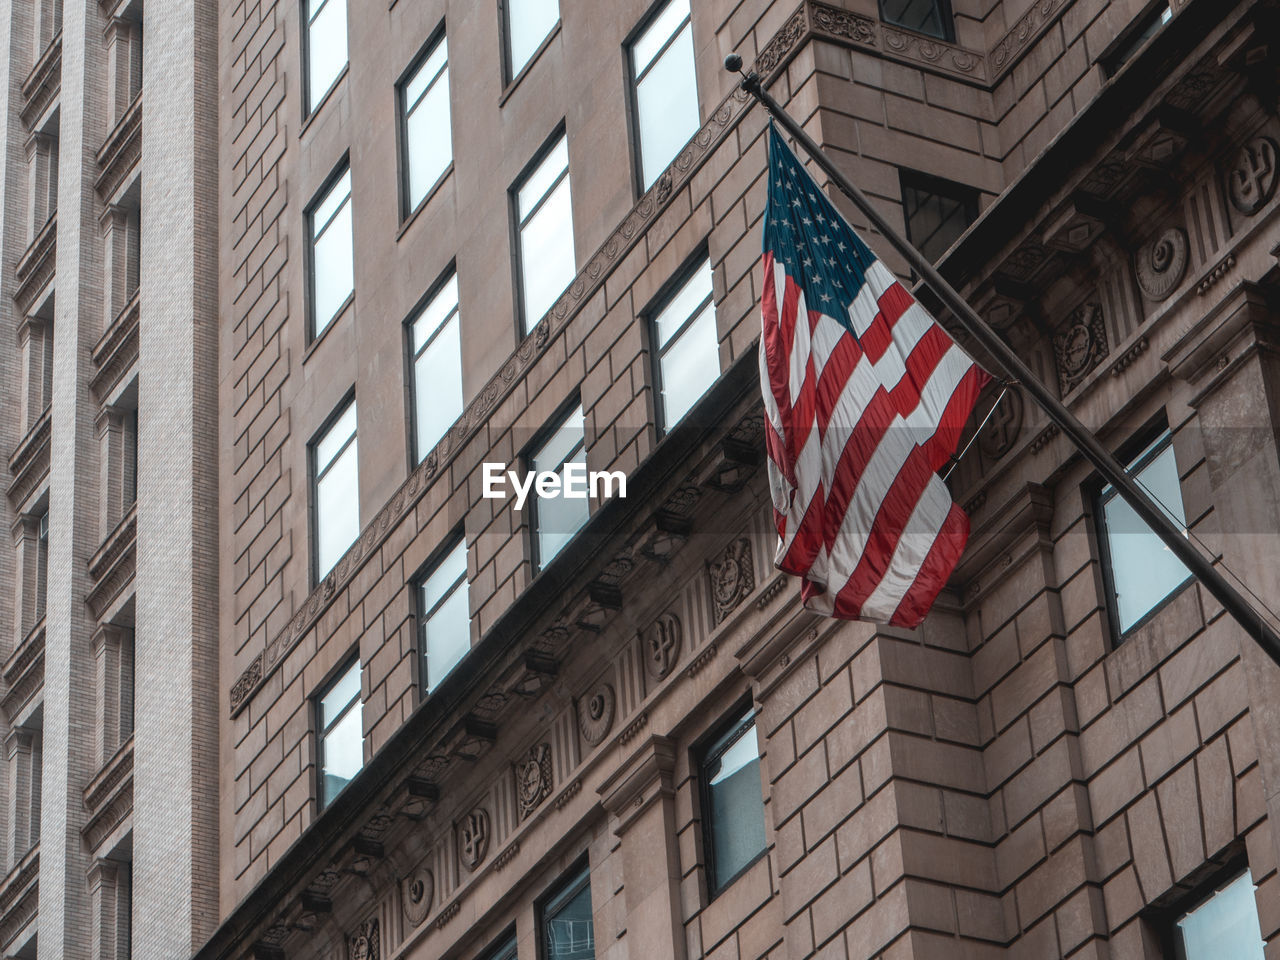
x=504, y=947
x=650, y=17
x=309, y=110
x=549, y=430
x=969, y=197
x=1154, y=439
x=1135, y=37
x=342, y=168
x=1218, y=874
x=314, y=476
x=946, y=15
x=40, y=601
x=715, y=743
x=317, y=706
x=650, y=317
x=567, y=886
x=510, y=75
x=456, y=538
x=435, y=38
x=525, y=324
x=450, y=272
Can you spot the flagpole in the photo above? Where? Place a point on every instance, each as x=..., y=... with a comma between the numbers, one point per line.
x=1012, y=366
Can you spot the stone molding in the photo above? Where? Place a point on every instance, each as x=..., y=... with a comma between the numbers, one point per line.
x=24, y=674
x=35, y=269
x=29, y=464
x=1211, y=346
x=121, y=151
x=19, y=896
x=112, y=567
x=1030, y=507
x=645, y=777
x=116, y=350
x=108, y=781
x=43, y=84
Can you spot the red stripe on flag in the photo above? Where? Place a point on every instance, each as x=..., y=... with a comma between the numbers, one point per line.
x=937, y=567
x=804, y=549
x=946, y=438
x=863, y=440
x=835, y=375
x=879, y=335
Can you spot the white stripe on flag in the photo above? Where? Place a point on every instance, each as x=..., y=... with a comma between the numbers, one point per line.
x=914, y=544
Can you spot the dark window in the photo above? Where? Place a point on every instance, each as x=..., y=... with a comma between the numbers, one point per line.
x=565, y=925
x=341, y=753
x=558, y=517
x=445, y=616
x=924, y=16
x=936, y=211
x=332, y=255
x=665, y=88
x=1223, y=924
x=435, y=337
x=684, y=337
x=424, y=118
x=732, y=804
x=42, y=565
x=504, y=950
x=1146, y=28
x=1141, y=571
x=544, y=216
x=326, y=41
x=528, y=23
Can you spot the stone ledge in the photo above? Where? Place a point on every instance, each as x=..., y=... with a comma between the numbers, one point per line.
x=112, y=567
x=43, y=84
x=35, y=269
x=29, y=463
x=116, y=350
x=121, y=151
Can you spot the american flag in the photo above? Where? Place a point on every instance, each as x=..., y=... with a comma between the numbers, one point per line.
x=865, y=398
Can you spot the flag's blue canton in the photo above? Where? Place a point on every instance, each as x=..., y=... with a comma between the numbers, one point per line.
x=804, y=231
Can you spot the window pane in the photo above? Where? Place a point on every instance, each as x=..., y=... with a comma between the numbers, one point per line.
x=333, y=277
x=546, y=254
x=337, y=194
x=926, y=16
x=1225, y=925
x=337, y=510
x=335, y=438
x=657, y=33
x=667, y=106
x=568, y=929
x=437, y=310
x=936, y=216
x=737, y=808
x=437, y=378
x=542, y=177
x=427, y=128
x=561, y=444
x=339, y=696
x=528, y=23
x=1143, y=570
x=558, y=518
x=423, y=77
x=343, y=754
x=688, y=299
x=326, y=47
x=689, y=366
x=448, y=636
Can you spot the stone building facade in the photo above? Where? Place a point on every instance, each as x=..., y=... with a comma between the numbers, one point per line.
x=1041, y=770
x=108, y=303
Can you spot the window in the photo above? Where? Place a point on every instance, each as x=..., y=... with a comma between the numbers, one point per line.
x=341, y=752
x=732, y=805
x=1146, y=28
x=326, y=42
x=545, y=217
x=435, y=337
x=924, y=16
x=936, y=211
x=337, y=490
x=557, y=518
x=426, y=133
x=1224, y=924
x=565, y=926
x=42, y=565
x=1141, y=571
x=445, y=616
x=666, y=89
x=684, y=336
x=332, y=270
x=528, y=23
x=505, y=950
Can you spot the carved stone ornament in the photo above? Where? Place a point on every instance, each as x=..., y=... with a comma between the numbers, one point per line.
x=1080, y=346
x=473, y=838
x=1161, y=264
x=1001, y=431
x=533, y=779
x=595, y=714
x=416, y=893
x=732, y=578
x=363, y=944
x=662, y=645
x=842, y=23
x=1252, y=181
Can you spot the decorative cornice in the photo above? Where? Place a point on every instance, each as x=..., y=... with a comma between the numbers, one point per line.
x=113, y=813
x=19, y=896
x=43, y=84
x=110, y=780
x=119, y=155
x=589, y=280
x=29, y=464
x=23, y=672
x=36, y=267
x=1009, y=49
x=112, y=567
x=116, y=350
